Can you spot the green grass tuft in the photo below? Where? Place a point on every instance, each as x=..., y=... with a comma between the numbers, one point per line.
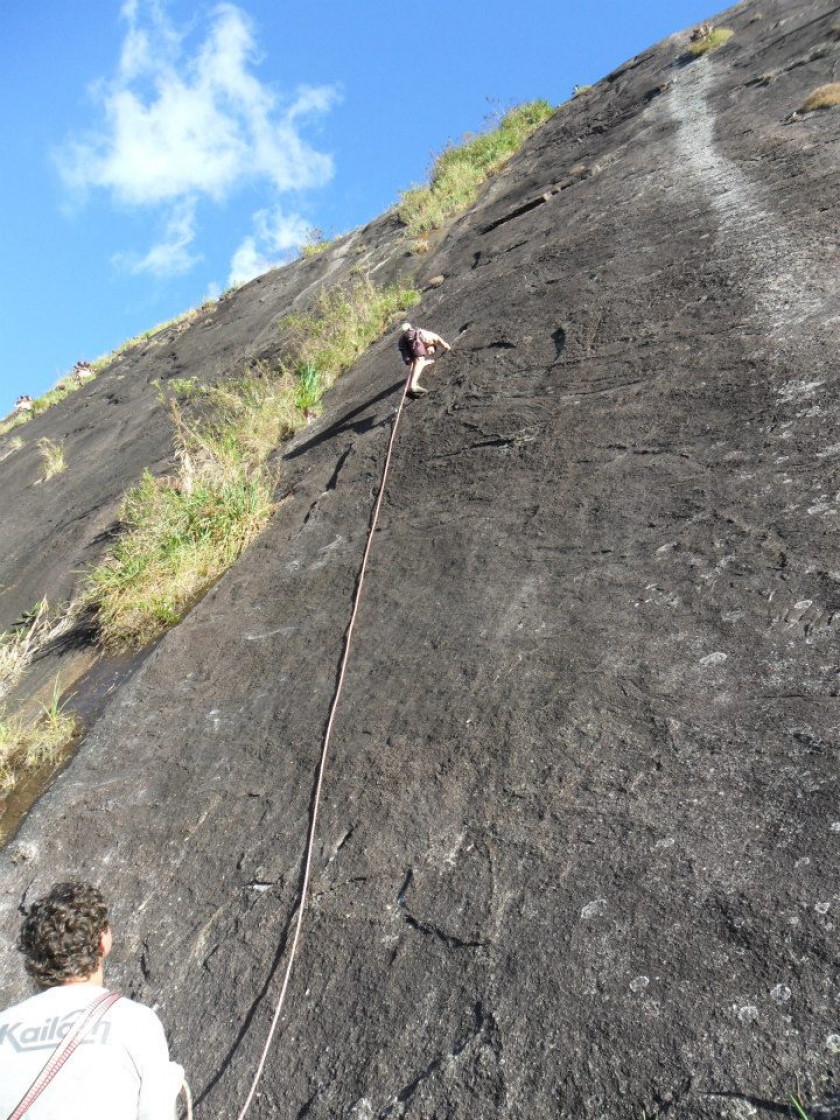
x=308, y=390
x=26, y=748
x=178, y=539
x=346, y=321
x=710, y=41
x=18, y=645
x=459, y=171
x=186, y=388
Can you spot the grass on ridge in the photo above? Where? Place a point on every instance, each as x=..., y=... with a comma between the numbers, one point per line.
x=73, y=381
x=459, y=171
x=62, y=389
x=184, y=319
x=316, y=242
x=182, y=532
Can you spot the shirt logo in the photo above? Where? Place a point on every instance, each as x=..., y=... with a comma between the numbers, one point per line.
x=48, y=1033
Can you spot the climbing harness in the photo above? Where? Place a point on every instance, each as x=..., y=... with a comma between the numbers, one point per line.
x=310, y=846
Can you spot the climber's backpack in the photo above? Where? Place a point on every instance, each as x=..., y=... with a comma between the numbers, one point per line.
x=411, y=346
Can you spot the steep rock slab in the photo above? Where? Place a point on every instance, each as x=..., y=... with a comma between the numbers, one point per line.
x=578, y=849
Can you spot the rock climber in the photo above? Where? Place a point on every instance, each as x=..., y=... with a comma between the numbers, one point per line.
x=121, y=1068
x=418, y=347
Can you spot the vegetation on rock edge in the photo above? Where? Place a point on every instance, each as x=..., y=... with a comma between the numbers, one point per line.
x=182, y=532
x=459, y=171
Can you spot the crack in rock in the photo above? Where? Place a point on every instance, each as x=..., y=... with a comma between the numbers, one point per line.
x=448, y=939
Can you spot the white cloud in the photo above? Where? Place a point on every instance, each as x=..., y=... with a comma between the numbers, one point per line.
x=180, y=124
x=275, y=235
x=247, y=262
x=170, y=256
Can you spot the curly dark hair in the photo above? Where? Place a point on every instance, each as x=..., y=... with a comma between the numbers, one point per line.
x=59, y=937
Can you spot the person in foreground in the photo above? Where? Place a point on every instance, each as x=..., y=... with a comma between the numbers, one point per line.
x=120, y=1069
x=418, y=347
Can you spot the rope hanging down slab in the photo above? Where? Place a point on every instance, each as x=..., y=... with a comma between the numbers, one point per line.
x=310, y=846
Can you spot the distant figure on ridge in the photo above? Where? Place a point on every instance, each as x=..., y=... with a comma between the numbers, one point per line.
x=23, y=404
x=417, y=347
x=118, y=1067
x=81, y=370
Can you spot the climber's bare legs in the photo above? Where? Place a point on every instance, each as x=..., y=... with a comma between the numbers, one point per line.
x=417, y=367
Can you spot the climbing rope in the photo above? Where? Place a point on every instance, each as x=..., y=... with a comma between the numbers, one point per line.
x=310, y=846
x=188, y=1101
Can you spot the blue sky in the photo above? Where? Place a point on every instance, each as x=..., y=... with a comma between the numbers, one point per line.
x=156, y=152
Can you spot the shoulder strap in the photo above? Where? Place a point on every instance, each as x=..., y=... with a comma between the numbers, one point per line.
x=64, y=1050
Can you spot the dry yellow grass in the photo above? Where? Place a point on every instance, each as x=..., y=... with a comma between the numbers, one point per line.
x=35, y=630
x=54, y=460
x=824, y=97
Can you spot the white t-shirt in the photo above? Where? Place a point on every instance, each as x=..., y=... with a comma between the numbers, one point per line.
x=121, y=1071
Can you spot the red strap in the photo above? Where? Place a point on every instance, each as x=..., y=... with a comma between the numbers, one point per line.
x=65, y=1048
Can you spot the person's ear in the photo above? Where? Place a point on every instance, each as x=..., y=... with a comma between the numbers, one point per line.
x=105, y=942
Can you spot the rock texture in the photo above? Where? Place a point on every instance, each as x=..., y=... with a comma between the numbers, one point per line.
x=578, y=852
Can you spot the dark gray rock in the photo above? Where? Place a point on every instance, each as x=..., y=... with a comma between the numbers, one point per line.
x=578, y=849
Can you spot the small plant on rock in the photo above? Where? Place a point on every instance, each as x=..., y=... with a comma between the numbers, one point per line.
x=54, y=460
x=308, y=388
x=824, y=97
x=187, y=388
x=707, y=38
x=316, y=243
x=34, y=630
x=26, y=748
x=14, y=444
x=17, y=645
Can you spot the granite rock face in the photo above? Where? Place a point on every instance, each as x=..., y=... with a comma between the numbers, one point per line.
x=578, y=849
